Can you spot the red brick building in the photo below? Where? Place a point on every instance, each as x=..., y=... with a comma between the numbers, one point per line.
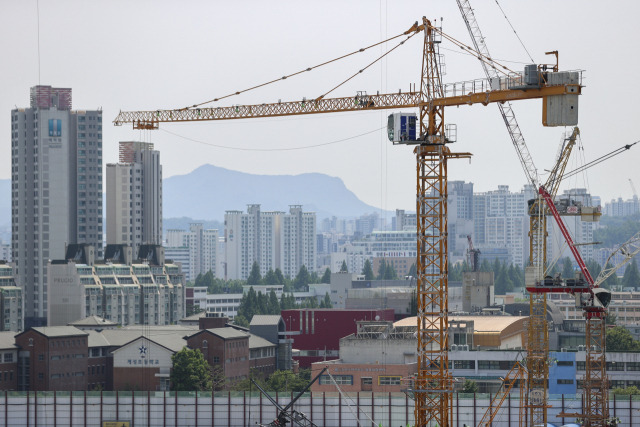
x=8, y=361
x=316, y=332
x=56, y=358
x=224, y=347
x=352, y=377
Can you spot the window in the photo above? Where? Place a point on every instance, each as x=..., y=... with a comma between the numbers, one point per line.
x=564, y=363
x=8, y=357
x=565, y=381
x=389, y=380
x=205, y=344
x=340, y=379
x=216, y=359
x=367, y=381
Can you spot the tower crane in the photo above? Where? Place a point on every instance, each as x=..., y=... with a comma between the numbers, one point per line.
x=433, y=386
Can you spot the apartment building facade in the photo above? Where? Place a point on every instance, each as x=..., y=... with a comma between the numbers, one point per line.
x=56, y=179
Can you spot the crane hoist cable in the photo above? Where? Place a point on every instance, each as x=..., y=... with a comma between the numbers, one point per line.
x=515, y=32
x=486, y=59
x=302, y=71
x=600, y=159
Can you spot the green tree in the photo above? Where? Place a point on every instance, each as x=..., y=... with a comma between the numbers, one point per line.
x=326, y=277
x=612, y=282
x=255, y=278
x=218, y=379
x=627, y=391
x=567, y=268
x=274, y=304
x=190, y=371
x=279, y=277
x=302, y=279
x=610, y=318
x=240, y=320
x=413, y=304
x=470, y=387
x=594, y=268
x=367, y=270
x=326, y=302
x=631, y=278
x=413, y=272
x=343, y=267
x=620, y=339
x=287, y=301
x=270, y=278
x=285, y=381
x=249, y=304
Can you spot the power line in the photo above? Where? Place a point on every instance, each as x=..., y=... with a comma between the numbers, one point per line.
x=228, y=147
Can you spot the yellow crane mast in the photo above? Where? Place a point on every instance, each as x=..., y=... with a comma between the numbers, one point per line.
x=433, y=386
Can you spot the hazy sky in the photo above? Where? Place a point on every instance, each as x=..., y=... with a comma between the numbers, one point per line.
x=145, y=55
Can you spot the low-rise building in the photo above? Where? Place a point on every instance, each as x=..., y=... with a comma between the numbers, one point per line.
x=8, y=361
x=52, y=358
x=316, y=333
x=227, y=348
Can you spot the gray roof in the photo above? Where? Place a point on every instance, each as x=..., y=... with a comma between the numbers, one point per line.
x=60, y=331
x=259, y=342
x=228, y=333
x=171, y=339
x=8, y=340
x=93, y=321
x=96, y=339
x=265, y=319
x=194, y=317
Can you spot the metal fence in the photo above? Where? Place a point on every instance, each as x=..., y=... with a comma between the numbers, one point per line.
x=206, y=409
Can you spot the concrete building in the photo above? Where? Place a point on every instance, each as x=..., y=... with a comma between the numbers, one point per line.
x=501, y=220
x=477, y=290
x=272, y=239
x=56, y=165
x=11, y=301
x=134, y=196
x=460, y=218
x=147, y=291
x=197, y=249
x=580, y=227
x=316, y=333
x=273, y=329
x=621, y=207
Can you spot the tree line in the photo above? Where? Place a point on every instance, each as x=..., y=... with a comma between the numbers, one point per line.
x=253, y=303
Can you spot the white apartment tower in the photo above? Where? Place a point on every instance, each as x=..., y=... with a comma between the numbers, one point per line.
x=272, y=239
x=56, y=177
x=134, y=196
x=196, y=250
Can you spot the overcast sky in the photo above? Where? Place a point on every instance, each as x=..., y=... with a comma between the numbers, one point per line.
x=146, y=55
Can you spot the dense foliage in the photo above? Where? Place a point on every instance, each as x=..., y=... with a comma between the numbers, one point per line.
x=620, y=339
x=280, y=381
x=616, y=230
x=190, y=371
x=253, y=303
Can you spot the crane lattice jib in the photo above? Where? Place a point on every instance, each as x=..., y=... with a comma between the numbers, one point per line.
x=455, y=97
x=506, y=111
x=513, y=378
x=557, y=173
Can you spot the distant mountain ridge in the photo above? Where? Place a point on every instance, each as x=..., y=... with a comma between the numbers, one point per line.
x=209, y=191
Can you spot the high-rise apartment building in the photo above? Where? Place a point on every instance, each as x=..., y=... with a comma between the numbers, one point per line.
x=196, y=250
x=272, y=239
x=501, y=221
x=56, y=178
x=134, y=196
